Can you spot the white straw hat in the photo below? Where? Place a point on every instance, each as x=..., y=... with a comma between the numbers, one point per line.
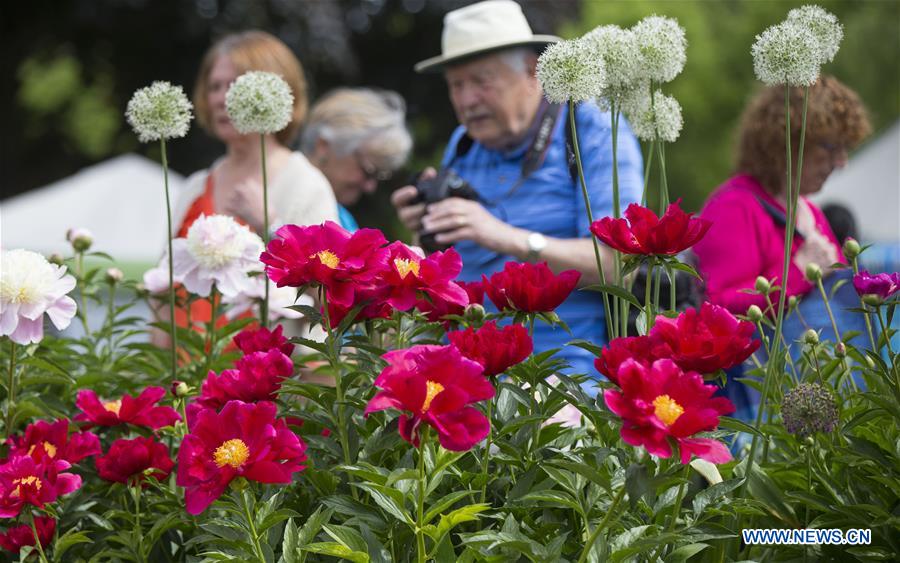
x=480, y=28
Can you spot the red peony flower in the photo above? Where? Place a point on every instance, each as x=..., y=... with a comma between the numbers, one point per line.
x=261, y=339
x=325, y=255
x=408, y=274
x=645, y=233
x=25, y=481
x=434, y=385
x=51, y=440
x=129, y=460
x=638, y=348
x=375, y=306
x=436, y=309
x=127, y=410
x=244, y=440
x=706, y=340
x=660, y=402
x=258, y=377
x=532, y=288
x=17, y=537
x=496, y=349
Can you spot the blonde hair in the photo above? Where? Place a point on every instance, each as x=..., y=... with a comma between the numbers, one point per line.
x=254, y=50
x=350, y=118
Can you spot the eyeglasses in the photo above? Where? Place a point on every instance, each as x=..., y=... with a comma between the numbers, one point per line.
x=370, y=171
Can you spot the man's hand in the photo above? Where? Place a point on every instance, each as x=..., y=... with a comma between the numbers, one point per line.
x=456, y=219
x=404, y=200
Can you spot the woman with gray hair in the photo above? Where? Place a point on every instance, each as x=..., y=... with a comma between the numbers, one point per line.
x=356, y=137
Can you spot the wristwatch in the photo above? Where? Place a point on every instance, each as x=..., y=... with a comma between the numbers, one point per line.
x=536, y=243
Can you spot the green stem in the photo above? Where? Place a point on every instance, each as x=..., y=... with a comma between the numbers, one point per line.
x=590, y=215
x=855, y=265
x=837, y=333
x=173, y=336
x=663, y=181
x=675, y=510
x=264, y=309
x=11, y=390
x=645, y=197
x=254, y=537
x=211, y=329
x=648, y=305
x=420, y=504
x=487, y=450
x=602, y=525
x=82, y=310
x=887, y=340
x=136, y=494
x=37, y=540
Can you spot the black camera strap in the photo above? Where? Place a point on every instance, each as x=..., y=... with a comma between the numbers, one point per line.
x=537, y=150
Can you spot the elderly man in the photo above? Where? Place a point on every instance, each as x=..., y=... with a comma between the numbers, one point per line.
x=511, y=148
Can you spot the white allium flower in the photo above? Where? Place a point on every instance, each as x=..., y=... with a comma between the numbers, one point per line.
x=824, y=25
x=569, y=70
x=662, y=45
x=216, y=250
x=618, y=49
x=280, y=298
x=29, y=287
x=787, y=53
x=660, y=119
x=259, y=102
x=159, y=111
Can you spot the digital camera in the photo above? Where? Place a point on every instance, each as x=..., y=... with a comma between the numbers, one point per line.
x=432, y=190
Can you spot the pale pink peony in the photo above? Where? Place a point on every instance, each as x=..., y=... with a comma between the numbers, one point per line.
x=29, y=287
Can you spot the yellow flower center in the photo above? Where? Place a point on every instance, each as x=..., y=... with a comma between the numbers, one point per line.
x=404, y=267
x=113, y=406
x=667, y=410
x=232, y=452
x=49, y=448
x=432, y=390
x=327, y=258
x=30, y=480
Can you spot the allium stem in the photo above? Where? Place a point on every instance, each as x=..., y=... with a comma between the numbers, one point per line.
x=211, y=328
x=264, y=309
x=837, y=333
x=37, y=539
x=663, y=180
x=173, y=335
x=420, y=504
x=648, y=304
x=587, y=206
x=647, y=166
x=487, y=449
x=11, y=390
x=602, y=525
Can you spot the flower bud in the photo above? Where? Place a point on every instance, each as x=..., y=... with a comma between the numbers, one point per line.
x=474, y=314
x=56, y=259
x=870, y=362
x=811, y=337
x=114, y=276
x=813, y=272
x=80, y=239
x=762, y=285
x=179, y=388
x=754, y=313
x=142, y=290
x=792, y=301
x=840, y=350
x=872, y=299
x=851, y=248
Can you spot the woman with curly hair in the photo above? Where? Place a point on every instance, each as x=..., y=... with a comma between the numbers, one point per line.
x=748, y=214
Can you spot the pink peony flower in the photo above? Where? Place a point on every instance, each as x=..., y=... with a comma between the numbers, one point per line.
x=127, y=410
x=30, y=286
x=51, y=440
x=25, y=481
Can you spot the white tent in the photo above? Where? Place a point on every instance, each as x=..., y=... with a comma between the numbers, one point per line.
x=870, y=187
x=121, y=201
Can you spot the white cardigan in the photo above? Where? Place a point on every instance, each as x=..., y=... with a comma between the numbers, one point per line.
x=300, y=194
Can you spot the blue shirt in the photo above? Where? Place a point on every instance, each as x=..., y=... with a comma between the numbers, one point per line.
x=550, y=201
x=346, y=219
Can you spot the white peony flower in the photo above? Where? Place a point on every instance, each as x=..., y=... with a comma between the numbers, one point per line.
x=216, y=250
x=29, y=287
x=824, y=25
x=660, y=119
x=618, y=51
x=156, y=280
x=787, y=53
x=259, y=102
x=661, y=44
x=159, y=111
x=569, y=70
x=280, y=298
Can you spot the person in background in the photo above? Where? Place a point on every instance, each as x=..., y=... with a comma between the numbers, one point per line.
x=748, y=211
x=748, y=215
x=356, y=137
x=510, y=147
x=232, y=185
x=841, y=221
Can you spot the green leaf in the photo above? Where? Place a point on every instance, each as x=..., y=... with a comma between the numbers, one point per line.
x=444, y=503
x=337, y=550
x=619, y=292
x=552, y=498
x=685, y=552
x=313, y=524
x=346, y=536
x=67, y=540
x=390, y=500
x=290, y=543
x=737, y=425
x=711, y=494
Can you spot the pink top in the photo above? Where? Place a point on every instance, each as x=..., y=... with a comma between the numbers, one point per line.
x=745, y=242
